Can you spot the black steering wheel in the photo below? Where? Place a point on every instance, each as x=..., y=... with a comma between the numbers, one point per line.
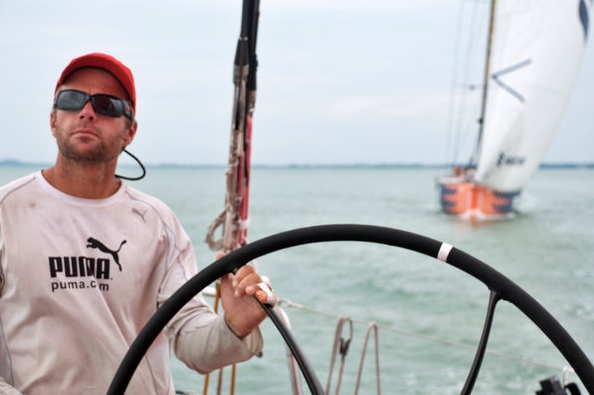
x=500, y=287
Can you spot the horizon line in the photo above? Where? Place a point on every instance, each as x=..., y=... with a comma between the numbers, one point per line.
x=15, y=162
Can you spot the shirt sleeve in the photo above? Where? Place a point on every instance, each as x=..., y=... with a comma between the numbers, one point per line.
x=205, y=348
x=6, y=389
x=199, y=336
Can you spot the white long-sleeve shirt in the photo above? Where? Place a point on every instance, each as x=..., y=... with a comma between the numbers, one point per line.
x=79, y=278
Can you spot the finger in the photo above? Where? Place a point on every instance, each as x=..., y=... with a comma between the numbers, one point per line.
x=245, y=271
x=245, y=276
x=266, y=294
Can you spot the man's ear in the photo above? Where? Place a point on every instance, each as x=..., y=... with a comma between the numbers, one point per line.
x=53, y=123
x=130, y=133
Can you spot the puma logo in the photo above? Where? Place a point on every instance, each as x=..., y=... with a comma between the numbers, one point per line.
x=94, y=243
x=141, y=215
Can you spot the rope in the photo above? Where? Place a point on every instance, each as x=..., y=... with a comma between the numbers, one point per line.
x=288, y=303
x=217, y=297
x=372, y=326
x=340, y=346
x=216, y=293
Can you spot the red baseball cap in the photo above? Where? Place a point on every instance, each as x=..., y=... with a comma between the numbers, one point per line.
x=107, y=63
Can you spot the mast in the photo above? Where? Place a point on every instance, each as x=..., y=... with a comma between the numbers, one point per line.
x=486, y=75
x=233, y=219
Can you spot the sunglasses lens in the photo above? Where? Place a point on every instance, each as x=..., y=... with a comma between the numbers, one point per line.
x=71, y=100
x=107, y=106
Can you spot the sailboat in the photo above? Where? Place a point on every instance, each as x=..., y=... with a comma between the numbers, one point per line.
x=534, y=49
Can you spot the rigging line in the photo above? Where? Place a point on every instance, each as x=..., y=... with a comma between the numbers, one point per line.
x=206, y=382
x=487, y=72
x=475, y=30
x=289, y=303
x=459, y=128
x=340, y=346
x=434, y=339
x=371, y=327
x=449, y=144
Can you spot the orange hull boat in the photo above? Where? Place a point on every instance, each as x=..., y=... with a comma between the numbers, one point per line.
x=471, y=200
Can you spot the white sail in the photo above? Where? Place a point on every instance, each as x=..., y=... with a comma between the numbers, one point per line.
x=537, y=48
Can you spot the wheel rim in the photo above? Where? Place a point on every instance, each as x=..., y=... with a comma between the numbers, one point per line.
x=501, y=288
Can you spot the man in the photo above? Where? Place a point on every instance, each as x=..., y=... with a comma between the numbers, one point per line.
x=85, y=260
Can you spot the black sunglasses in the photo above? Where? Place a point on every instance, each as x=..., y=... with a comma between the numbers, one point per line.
x=110, y=106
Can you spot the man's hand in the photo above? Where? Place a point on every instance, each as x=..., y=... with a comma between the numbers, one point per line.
x=243, y=313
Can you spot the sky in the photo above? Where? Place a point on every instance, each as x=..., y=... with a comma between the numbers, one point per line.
x=339, y=81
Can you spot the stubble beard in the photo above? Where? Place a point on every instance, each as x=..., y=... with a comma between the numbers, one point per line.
x=98, y=153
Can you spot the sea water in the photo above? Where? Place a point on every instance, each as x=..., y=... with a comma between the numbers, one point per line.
x=429, y=314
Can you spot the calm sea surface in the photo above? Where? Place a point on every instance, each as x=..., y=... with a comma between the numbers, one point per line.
x=427, y=311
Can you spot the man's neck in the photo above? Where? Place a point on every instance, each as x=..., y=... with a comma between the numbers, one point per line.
x=97, y=181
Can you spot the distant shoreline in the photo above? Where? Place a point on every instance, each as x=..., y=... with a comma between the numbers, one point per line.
x=17, y=163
